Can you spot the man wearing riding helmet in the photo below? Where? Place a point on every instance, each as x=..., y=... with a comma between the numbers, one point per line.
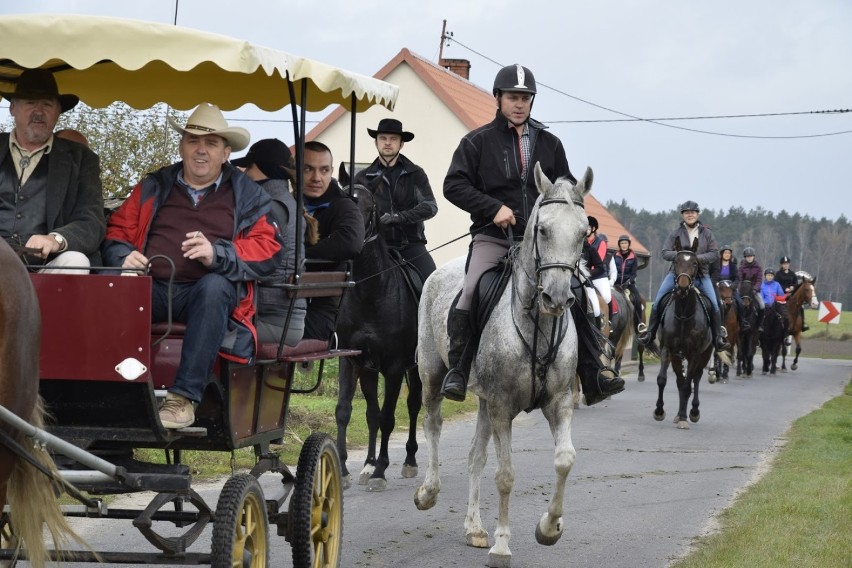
x=490, y=177
x=625, y=268
x=750, y=270
x=789, y=281
x=689, y=230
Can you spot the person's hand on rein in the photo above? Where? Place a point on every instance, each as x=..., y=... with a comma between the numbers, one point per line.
x=504, y=217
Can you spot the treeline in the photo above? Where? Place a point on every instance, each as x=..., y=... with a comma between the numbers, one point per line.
x=821, y=247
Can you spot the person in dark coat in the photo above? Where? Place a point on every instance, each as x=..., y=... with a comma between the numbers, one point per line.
x=269, y=164
x=50, y=187
x=341, y=233
x=490, y=176
x=789, y=282
x=625, y=279
x=403, y=195
x=725, y=268
x=750, y=270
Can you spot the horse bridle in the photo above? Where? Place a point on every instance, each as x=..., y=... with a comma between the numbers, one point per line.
x=539, y=267
x=689, y=277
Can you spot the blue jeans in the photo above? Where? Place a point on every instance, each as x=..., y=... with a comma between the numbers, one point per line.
x=704, y=282
x=204, y=306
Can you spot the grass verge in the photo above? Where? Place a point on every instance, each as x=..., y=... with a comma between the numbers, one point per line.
x=800, y=513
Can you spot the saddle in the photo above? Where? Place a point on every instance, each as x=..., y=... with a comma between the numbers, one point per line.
x=703, y=301
x=488, y=291
x=412, y=277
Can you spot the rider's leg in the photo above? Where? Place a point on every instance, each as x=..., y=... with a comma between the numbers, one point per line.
x=719, y=331
x=647, y=336
x=761, y=312
x=598, y=380
x=484, y=254
x=738, y=302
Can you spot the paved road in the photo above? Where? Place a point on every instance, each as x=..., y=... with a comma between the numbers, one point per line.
x=639, y=493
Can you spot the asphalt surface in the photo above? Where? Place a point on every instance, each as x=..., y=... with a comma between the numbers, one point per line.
x=638, y=495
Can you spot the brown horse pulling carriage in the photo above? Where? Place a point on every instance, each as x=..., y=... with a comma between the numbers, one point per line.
x=103, y=364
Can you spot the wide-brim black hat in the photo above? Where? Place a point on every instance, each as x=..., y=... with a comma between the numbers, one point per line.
x=271, y=156
x=35, y=84
x=391, y=126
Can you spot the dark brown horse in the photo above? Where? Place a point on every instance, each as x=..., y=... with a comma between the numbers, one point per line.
x=747, y=341
x=624, y=328
x=804, y=294
x=686, y=340
x=29, y=494
x=729, y=320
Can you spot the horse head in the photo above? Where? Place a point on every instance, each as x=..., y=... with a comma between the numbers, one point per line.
x=553, y=241
x=685, y=266
x=808, y=292
x=726, y=291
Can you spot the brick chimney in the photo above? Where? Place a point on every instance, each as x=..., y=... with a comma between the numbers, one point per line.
x=460, y=67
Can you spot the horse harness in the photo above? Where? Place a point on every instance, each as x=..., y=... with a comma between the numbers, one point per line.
x=539, y=364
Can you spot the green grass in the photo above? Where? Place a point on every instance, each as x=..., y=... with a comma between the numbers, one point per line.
x=308, y=413
x=840, y=331
x=800, y=513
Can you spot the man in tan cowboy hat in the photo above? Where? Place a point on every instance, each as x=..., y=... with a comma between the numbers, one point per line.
x=214, y=223
x=403, y=195
x=50, y=188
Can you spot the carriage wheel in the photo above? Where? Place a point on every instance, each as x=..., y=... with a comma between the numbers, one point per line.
x=316, y=507
x=8, y=542
x=240, y=527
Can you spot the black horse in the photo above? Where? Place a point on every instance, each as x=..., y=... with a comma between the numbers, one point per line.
x=772, y=338
x=686, y=339
x=379, y=317
x=748, y=338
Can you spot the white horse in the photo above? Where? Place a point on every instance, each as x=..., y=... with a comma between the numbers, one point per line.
x=532, y=315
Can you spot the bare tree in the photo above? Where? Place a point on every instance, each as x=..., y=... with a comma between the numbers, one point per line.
x=803, y=231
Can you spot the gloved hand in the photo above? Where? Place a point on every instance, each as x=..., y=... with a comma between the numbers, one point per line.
x=390, y=219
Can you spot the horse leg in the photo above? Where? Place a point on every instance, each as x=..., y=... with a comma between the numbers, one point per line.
x=387, y=422
x=343, y=412
x=426, y=495
x=414, y=403
x=684, y=391
x=641, y=376
x=370, y=390
x=659, y=413
x=795, y=364
x=475, y=533
x=500, y=556
x=559, y=415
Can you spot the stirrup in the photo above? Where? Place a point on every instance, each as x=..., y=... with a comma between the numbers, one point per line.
x=723, y=332
x=642, y=327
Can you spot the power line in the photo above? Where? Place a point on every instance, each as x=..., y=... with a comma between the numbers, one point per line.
x=658, y=121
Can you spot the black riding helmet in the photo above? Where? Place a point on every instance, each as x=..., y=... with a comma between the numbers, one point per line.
x=769, y=271
x=748, y=251
x=625, y=238
x=593, y=223
x=514, y=79
x=690, y=206
x=727, y=248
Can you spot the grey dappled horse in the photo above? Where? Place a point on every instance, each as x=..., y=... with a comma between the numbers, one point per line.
x=504, y=375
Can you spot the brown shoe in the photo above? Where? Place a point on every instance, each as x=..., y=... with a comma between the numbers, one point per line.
x=176, y=412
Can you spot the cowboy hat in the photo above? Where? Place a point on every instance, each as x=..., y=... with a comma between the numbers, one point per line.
x=208, y=119
x=391, y=126
x=35, y=84
x=271, y=156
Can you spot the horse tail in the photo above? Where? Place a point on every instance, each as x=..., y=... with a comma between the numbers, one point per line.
x=32, y=494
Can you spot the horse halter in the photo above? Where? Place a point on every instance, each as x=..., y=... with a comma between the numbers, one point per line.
x=539, y=266
x=690, y=277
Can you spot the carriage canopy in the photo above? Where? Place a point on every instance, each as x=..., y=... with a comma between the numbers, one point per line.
x=103, y=60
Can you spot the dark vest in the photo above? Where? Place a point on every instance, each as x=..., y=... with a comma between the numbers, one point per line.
x=177, y=216
x=23, y=213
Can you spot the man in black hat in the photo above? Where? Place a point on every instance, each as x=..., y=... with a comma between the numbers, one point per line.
x=403, y=195
x=50, y=188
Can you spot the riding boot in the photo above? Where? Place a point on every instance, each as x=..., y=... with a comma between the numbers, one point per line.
x=598, y=381
x=648, y=335
x=455, y=381
x=805, y=327
x=719, y=332
x=760, y=315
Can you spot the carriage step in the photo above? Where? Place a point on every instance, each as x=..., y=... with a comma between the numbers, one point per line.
x=188, y=432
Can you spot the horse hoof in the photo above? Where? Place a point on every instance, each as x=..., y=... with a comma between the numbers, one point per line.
x=793, y=367
x=366, y=474
x=641, y=378
x=424, y=500
x=499, y=560
x=659, y=416
x=724, y=381
x=545, y=539
x=683, y=425
x=377, y=484
x=409, y=471
x=346, y=482
x=477, y=539
x=711, y=378
x=695, y=417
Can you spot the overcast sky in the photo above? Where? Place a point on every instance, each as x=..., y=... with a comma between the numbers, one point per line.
x=644, y=58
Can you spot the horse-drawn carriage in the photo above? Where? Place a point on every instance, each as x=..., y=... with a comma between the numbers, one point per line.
x=104, y=365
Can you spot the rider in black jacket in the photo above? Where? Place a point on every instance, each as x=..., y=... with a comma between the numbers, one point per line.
x=490, y=177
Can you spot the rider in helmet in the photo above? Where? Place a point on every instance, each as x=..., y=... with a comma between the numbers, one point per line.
x=708, y=251
x=771, y=292
x=750, y=270
x=789, y=281
x=601, y=281
x=491, y=177
x=725, y=268
x=625, y=275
